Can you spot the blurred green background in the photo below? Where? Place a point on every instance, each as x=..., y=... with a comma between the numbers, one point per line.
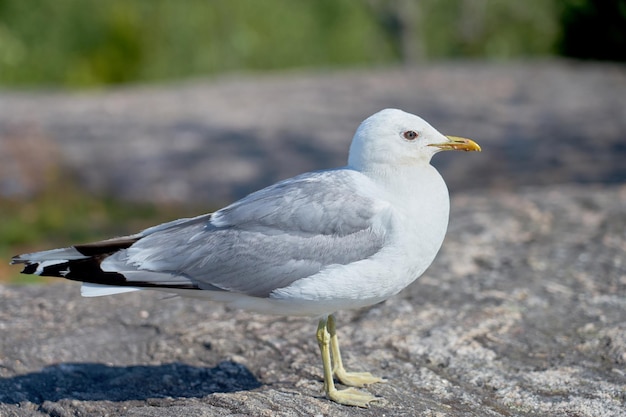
x=74, y=44
x=88, y=43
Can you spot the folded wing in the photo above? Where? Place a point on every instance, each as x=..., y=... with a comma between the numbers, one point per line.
x=265, y=241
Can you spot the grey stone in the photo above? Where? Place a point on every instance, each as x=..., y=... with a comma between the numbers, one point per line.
x=522, y=314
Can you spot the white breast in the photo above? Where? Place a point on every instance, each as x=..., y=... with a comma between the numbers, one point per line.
x=417, y=224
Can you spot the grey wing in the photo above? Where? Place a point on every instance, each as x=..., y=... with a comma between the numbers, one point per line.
x=269, y=239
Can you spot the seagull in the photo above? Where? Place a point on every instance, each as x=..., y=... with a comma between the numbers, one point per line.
x=311, y=245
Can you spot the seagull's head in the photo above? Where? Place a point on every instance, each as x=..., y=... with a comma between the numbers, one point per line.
x=393, y=137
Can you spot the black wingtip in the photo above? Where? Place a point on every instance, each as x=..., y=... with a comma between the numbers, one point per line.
x=30, y=269
x=106, y=247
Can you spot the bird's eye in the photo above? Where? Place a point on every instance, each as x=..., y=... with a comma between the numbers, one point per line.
x=410, y=135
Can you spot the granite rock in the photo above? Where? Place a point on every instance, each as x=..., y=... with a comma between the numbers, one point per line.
x=523, y=313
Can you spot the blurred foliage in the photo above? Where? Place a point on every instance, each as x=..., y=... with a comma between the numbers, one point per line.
x=89, y=42
x=64, y=213
x=78, y=43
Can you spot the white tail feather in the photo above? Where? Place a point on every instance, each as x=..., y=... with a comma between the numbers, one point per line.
x=98, y=290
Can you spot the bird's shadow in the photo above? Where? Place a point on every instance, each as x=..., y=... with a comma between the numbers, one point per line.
x=94, y=381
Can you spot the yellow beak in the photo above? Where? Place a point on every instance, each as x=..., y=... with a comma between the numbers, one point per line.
x=457, y=144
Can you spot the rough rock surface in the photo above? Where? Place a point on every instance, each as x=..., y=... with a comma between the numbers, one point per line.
x=522, y=314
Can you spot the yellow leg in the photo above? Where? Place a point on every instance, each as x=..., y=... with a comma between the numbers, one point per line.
x=352, y=379
x=349, y=396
